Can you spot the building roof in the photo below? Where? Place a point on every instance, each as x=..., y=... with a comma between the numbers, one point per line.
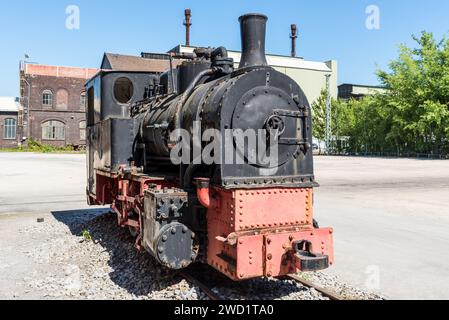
x=58, y=71
x=120, y=62
x=272, y=59
x=9, y=104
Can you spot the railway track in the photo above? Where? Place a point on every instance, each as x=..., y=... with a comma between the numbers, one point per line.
x=329, y=294
x=190, y=277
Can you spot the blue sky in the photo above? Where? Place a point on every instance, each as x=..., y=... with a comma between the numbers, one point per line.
x=328, y=30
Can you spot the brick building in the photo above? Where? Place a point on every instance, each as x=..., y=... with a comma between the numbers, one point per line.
x=53, y=99
x=9, y=118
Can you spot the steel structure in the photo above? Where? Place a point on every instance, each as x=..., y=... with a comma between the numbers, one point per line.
x=246, y=217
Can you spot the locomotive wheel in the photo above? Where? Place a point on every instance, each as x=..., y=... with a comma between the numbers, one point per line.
x=176, y=247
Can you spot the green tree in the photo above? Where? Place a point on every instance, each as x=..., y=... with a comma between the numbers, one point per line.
x=319, y=116
x=418, y=98
x=413, y=116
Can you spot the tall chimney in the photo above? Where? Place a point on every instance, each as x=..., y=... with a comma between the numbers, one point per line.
x=188, y=24
x=253, y=28
x=294, y=36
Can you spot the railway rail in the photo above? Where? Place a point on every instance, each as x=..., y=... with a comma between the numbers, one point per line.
x=190, y=277
x=329, y=294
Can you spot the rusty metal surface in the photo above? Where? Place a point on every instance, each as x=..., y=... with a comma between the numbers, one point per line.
x=294, y=36
x=279, y=254
x=273, y=207
x=188, y=24
x=251, y=233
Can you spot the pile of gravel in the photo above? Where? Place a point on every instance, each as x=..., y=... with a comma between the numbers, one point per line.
x=344, y=290
x=87, y=256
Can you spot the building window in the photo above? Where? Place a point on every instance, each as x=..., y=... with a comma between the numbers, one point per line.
x=123, y=90
x=83, y=130
x=47, y=98
x=53, y=130
x=9, y=129
x=62, y=99
x=83, y=101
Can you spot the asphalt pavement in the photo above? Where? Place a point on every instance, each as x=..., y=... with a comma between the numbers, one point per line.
x=391, y=216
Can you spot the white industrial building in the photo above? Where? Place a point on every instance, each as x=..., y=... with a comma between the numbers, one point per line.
x=310, y=75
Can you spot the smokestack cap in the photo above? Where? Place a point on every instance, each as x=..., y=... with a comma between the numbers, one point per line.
x=294, y=28
x=253, y=15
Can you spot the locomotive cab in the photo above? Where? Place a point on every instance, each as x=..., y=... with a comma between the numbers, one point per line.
x=110, y=128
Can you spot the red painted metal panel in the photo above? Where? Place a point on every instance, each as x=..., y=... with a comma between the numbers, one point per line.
x=267, y=208
x=279, y=252
x=250, y=232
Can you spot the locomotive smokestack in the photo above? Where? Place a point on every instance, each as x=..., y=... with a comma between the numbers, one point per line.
x=294, y=36
x=188, y=24
x=253, y=28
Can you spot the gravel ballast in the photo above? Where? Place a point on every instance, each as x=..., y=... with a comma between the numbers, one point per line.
x=85, y=255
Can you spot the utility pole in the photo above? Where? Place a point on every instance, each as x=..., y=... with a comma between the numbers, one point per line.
x=188, y=24
x=294, y=36
x=26, y=110
x=328, y=115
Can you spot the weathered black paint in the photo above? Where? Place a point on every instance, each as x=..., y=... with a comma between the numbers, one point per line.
x=169, y=240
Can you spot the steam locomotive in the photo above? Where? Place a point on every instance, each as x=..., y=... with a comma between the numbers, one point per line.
x=239, y=214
